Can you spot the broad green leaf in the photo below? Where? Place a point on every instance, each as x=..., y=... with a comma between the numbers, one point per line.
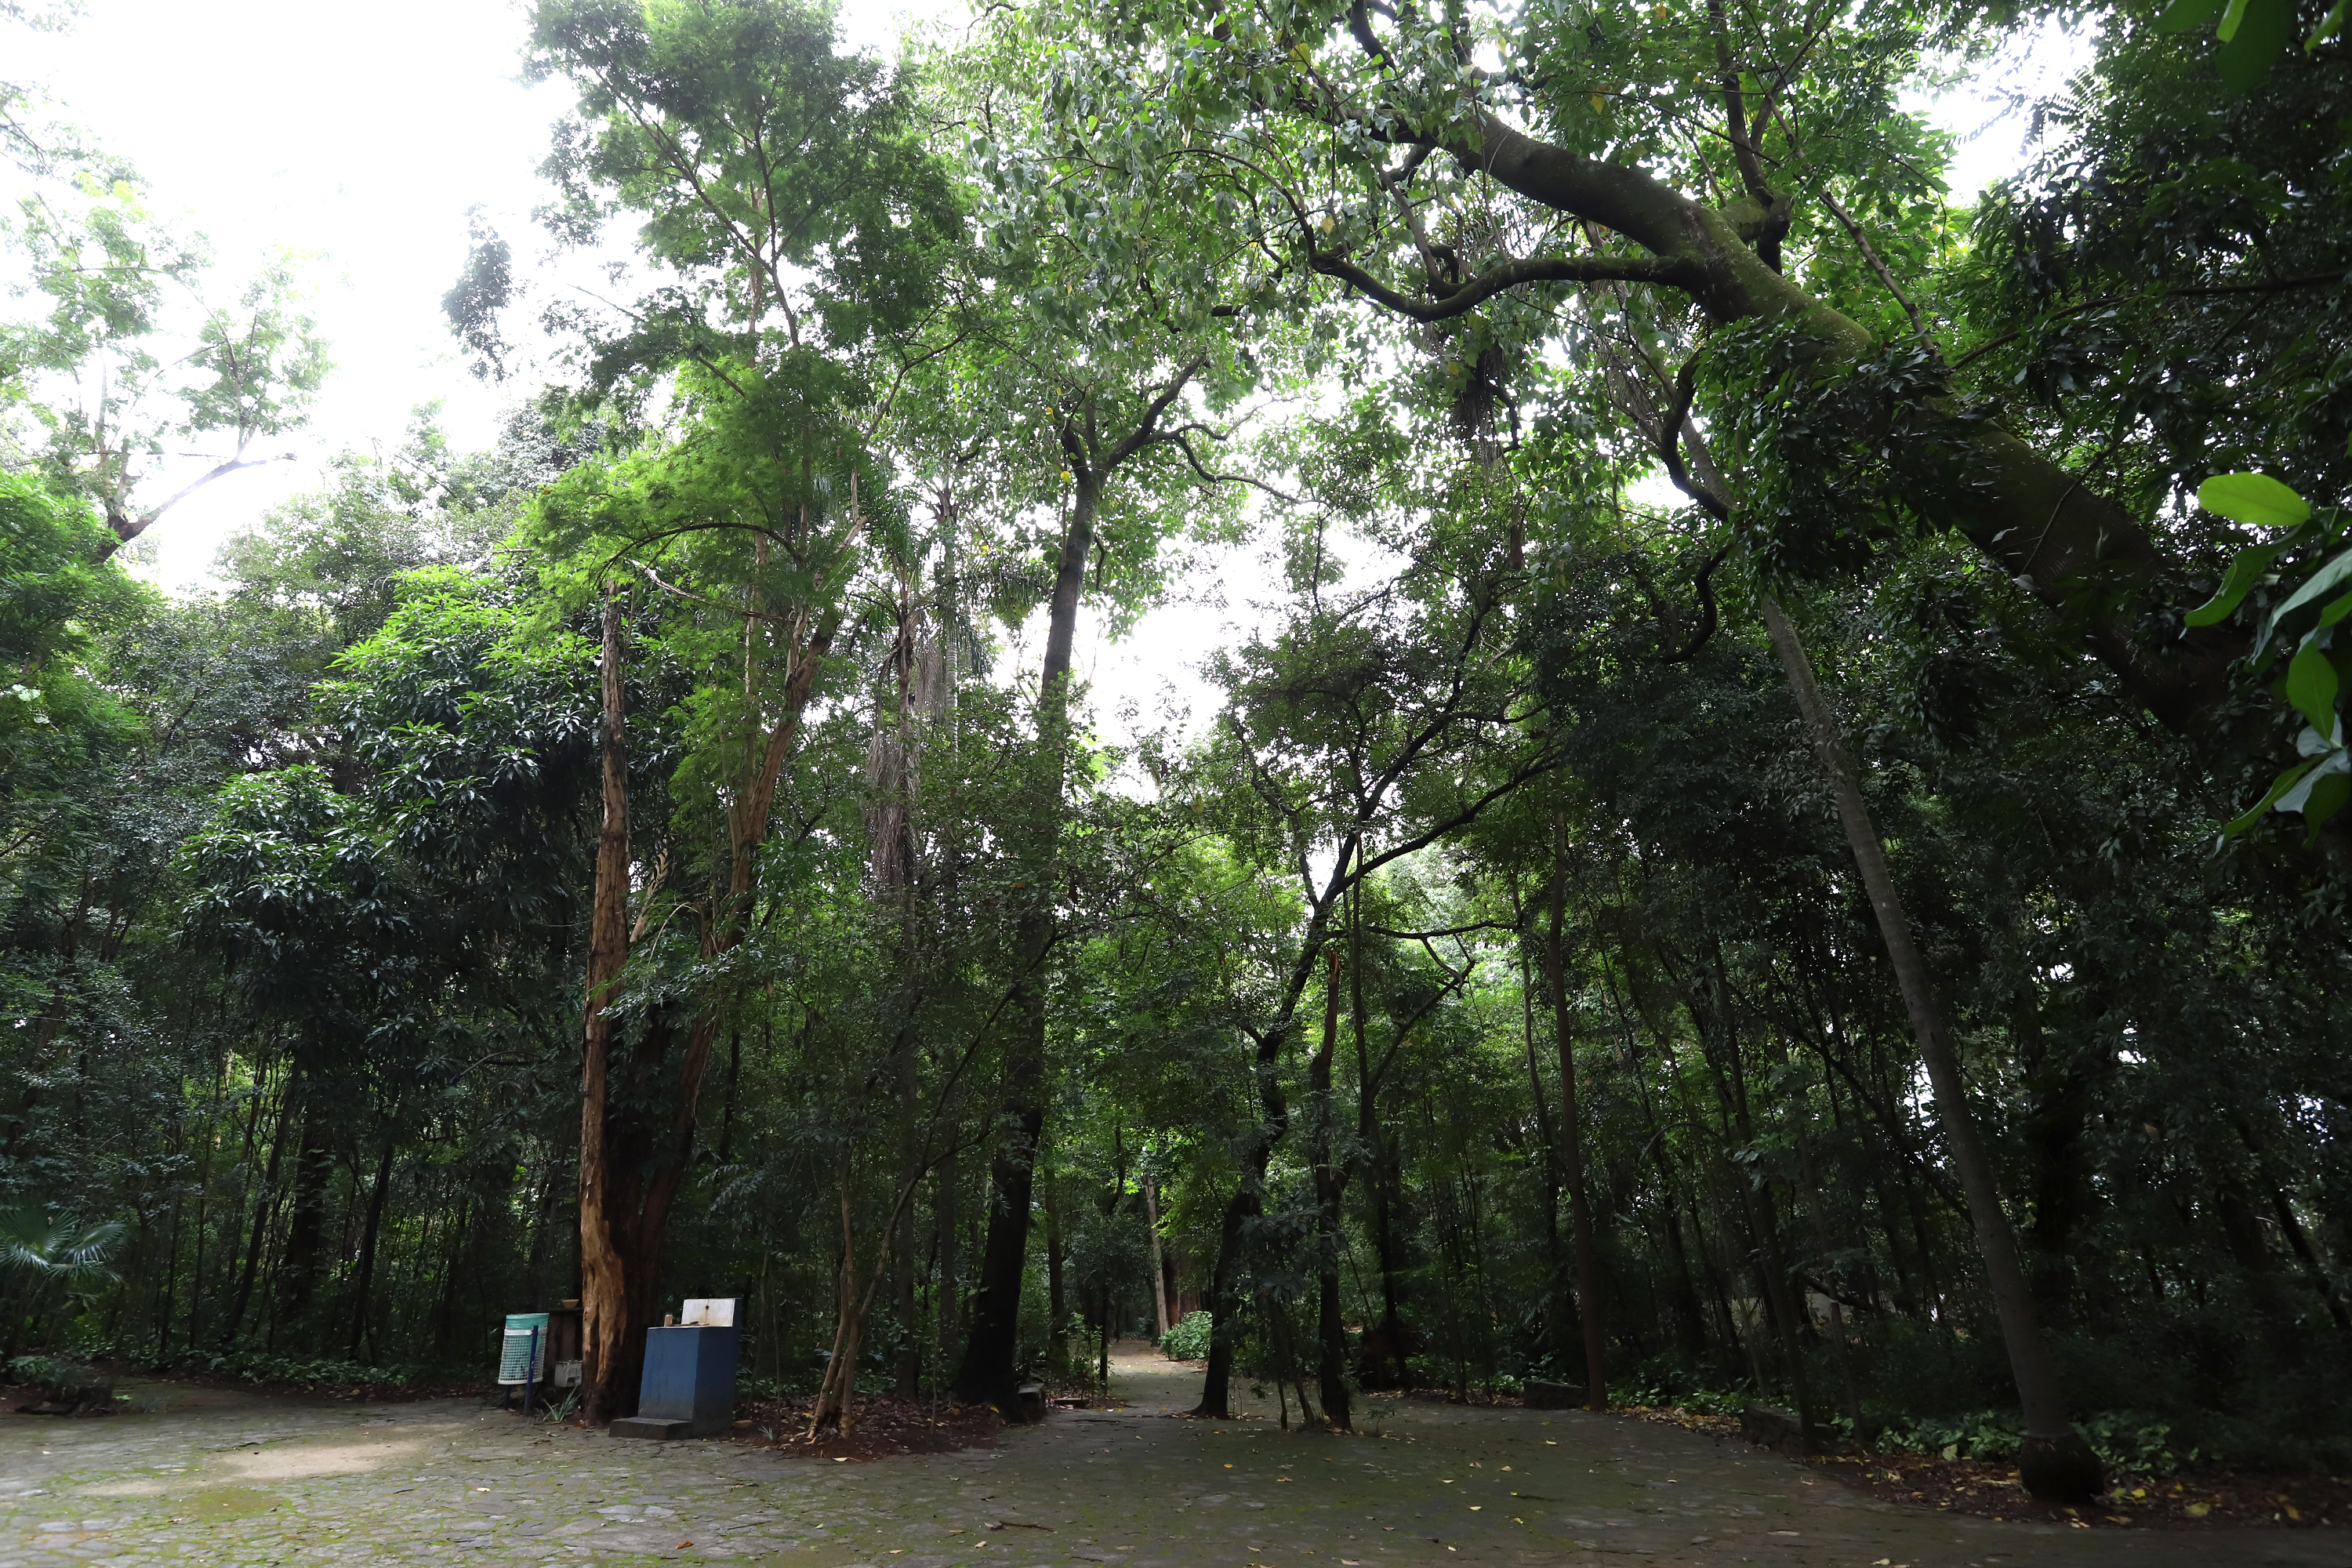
x=2327, y=795
x=2285, y=782
x=2245, y=570
x=2311, y=686
x=2335, y=611
x=2256, y=500
x=2186, y=16
x=2330, y=26
x=2231, y=20
x=2323, y=581
x=2252, y=47
x=2336, y=763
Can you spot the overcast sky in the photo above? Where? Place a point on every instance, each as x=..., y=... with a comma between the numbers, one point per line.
x=359, y=135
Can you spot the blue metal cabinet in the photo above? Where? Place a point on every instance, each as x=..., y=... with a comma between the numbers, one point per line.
x=690, y=1376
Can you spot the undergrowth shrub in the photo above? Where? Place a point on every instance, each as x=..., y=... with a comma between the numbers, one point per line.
x=1187, y=1340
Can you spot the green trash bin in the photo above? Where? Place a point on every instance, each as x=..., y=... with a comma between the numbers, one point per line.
x=522, y=1349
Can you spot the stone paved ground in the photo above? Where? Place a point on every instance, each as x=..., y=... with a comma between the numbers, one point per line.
x=243, y=1482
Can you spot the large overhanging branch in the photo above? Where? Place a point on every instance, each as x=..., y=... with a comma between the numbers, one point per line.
x=1512, y=273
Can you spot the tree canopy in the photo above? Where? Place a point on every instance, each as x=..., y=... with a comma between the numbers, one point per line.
x=1768, y=833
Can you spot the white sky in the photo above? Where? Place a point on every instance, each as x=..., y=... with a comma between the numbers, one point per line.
x=359, y=135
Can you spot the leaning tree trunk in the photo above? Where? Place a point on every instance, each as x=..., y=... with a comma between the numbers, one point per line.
x=1571, y=1144
x=2055, y=1461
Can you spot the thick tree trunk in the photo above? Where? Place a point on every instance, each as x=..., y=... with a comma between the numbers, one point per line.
x=2039, y=523
x=314, y=1164
x=1589, y=1310
x=608, y=1327
x=2055, y=1461
x=988, y=1374
x=1216, y=1384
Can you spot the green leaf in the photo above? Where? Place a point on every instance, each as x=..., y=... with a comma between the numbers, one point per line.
x=2312, y=684
x=2256, y=500
x=2231, y=20
x=2285, y=782
x=2187, y=15
x=2260, y=36
x=2323, y=581
x=2337, y=763
x=2328, y=793
x=2246, y=569
x=2330, y=26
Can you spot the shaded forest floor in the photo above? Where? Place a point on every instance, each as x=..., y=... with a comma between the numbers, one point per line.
x=2199, y=1499
x=881, y=1425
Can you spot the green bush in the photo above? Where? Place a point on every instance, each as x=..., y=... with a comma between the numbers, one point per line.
x=1979, y=1435
x=62, y=1382
x=1188, y=1340
x=2135, y=1443
x=258, y=1366
x=2131, y=1441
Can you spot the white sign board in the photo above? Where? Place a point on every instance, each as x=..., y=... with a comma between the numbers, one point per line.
x=709, y=1313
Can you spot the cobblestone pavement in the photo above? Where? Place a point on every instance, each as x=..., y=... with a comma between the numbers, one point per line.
x=244, y=1482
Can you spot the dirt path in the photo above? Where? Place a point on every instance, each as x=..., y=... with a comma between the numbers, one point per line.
x=255, y=1482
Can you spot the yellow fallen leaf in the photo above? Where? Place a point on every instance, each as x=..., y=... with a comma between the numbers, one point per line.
x=2198, y=1509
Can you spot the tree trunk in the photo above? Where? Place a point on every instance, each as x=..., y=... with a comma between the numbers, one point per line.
x=1330, y=1327
x=2041, y=525
x=1058, y=1302
x=1216, y=1384
x=1562, y=1324
x=1589, y=1310
x=314, y=1163
x=1159, y=1263
x=988, y=1374
x=947, y=1225
x=608, y=1326
x=2055, y=1462
x=909, y=1371
x=363, y=1281
x=263, y=1204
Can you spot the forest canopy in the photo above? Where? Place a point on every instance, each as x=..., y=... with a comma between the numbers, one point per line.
x=1771, y=834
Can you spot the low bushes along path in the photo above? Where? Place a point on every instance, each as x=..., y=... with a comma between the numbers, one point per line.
x=233, y=1480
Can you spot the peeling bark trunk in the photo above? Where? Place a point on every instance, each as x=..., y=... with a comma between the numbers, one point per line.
x=606, y=1324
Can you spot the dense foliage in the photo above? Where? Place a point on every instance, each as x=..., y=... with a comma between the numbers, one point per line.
x=1704, y=879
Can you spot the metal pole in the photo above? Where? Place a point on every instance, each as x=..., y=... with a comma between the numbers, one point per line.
x=531, y=1372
